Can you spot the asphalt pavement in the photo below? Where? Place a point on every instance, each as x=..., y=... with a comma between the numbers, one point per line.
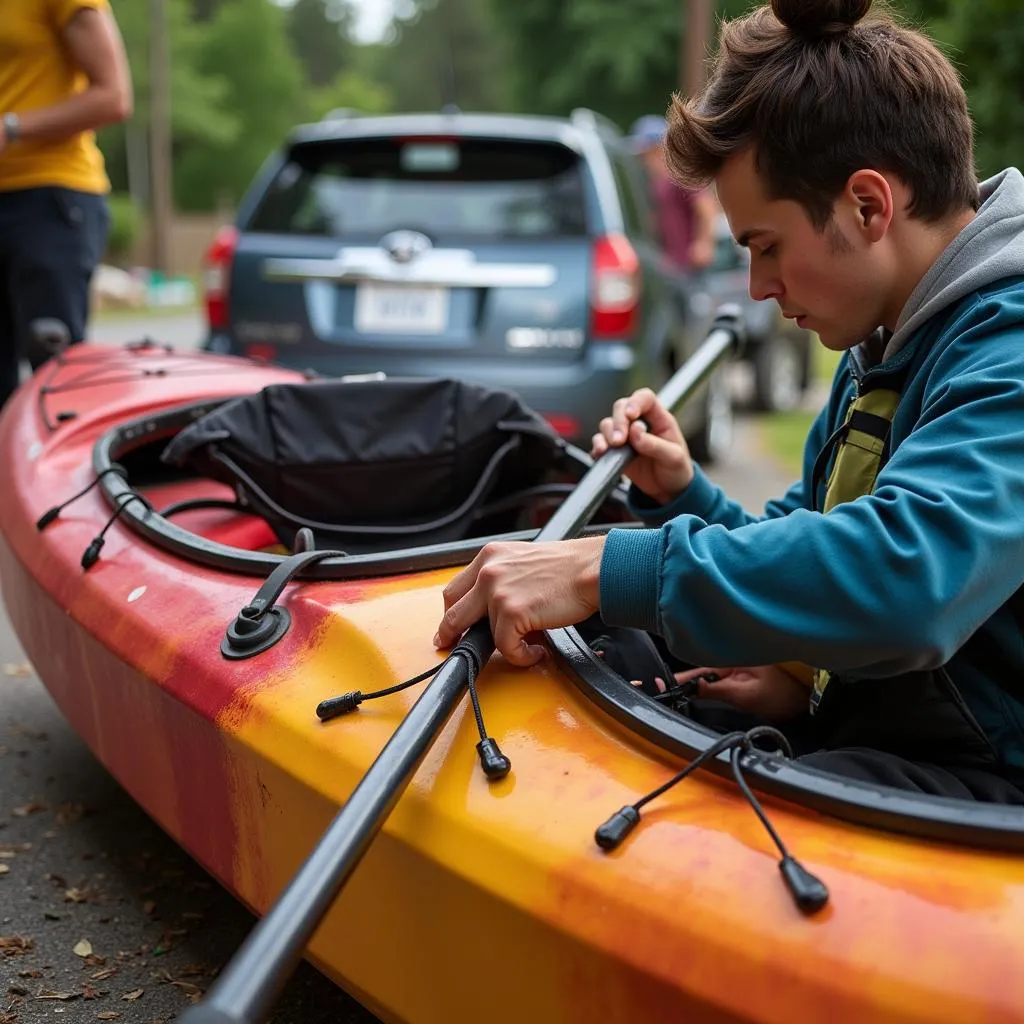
x=102, y=916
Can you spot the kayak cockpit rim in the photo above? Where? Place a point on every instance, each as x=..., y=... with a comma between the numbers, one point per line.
x=968, y=823
x=163, y=533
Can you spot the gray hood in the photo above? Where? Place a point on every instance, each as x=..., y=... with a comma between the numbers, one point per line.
x=990, y=248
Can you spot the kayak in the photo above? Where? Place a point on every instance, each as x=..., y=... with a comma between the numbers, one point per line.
x=479, y=896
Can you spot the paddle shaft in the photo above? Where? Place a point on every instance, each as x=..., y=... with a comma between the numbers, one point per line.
x=246, y=989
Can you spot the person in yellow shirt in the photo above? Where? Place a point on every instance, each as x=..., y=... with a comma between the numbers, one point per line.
x=63, y=73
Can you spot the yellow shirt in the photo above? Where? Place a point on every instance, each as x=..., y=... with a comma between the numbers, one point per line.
x=36, y=72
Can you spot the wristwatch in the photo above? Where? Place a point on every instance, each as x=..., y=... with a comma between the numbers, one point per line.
x=12, y=127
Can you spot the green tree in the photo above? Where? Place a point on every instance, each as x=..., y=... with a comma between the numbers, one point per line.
x=985, y=38
x=247, y=47
x=318, y=30
x=448, y=51
x=350, y=90
x=200, y=100
x=619, y=59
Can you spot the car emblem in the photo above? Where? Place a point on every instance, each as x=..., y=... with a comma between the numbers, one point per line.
x=405, y=246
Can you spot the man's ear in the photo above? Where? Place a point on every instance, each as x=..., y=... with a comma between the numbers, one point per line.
x=869, y=198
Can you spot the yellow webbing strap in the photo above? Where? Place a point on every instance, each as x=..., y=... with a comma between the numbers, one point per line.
x=858, y=461
x=860, y=452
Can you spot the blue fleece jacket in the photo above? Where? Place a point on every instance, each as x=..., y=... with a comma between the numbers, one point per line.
x=893, y=581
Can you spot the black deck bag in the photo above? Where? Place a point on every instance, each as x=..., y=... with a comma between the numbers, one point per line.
x=374, y=465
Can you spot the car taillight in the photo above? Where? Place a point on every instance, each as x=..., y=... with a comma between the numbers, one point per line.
x=217, y=275
x=563, y=424
x=615, y=288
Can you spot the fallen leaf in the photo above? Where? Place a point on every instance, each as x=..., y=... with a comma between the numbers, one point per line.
x=49, y=915
x=15, y=945
x=83, y=948
x=30, y=974
x=18, y=729
x=18, y=668
x=103, y=975
x=149, y=906
x=194, y=970
x=95, y=961
x=77, y=895
x=62, y=996
x=107, y=1015
x=92, y=993
x=130, y=997
x=8, y=1018
x=26, y=809
x=66, y=814
x=16, y=990
x=4, y=868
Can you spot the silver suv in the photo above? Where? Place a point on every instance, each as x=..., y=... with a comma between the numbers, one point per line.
x=510, y=251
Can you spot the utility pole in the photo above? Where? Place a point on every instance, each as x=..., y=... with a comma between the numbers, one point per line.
x=159, y=136
x=697, y=18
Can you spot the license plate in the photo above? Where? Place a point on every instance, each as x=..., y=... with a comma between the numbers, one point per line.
x=400, y=309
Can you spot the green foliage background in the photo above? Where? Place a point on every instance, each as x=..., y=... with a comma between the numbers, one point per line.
x=245, y=71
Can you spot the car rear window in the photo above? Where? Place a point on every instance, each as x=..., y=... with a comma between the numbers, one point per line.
x=479, y=188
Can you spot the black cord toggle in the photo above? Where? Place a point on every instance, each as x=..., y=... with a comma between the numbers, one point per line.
x=50, y=514
x=333, y=707
x=494, y=763
x=808, y=891
x=617, y=827
x=91, y=554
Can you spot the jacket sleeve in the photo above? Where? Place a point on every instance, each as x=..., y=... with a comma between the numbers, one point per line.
x=891, y=582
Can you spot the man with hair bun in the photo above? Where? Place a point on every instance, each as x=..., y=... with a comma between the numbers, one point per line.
x=873, y=610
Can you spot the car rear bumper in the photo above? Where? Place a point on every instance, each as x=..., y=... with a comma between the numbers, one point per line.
x=573, y=396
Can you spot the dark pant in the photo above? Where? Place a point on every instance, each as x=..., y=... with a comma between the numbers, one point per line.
x=907, y=723
x=868, y=764
x=50, y=242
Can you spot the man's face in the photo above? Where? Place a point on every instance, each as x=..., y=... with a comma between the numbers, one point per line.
x=832, y=282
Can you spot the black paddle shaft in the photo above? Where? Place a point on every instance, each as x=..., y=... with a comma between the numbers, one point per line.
x=246, y=989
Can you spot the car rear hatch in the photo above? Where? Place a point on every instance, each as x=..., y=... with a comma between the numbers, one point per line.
x=390, y=248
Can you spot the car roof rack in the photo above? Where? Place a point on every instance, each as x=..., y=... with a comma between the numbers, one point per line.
x=590, y=120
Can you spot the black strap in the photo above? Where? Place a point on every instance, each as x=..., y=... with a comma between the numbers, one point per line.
x=870, y=423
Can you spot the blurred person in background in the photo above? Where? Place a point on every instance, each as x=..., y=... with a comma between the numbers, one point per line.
x=686, y=219
x=63, y=73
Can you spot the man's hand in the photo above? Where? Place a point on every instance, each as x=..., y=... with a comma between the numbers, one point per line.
x=663, y=467
x=523, y=588
x=768, y=691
